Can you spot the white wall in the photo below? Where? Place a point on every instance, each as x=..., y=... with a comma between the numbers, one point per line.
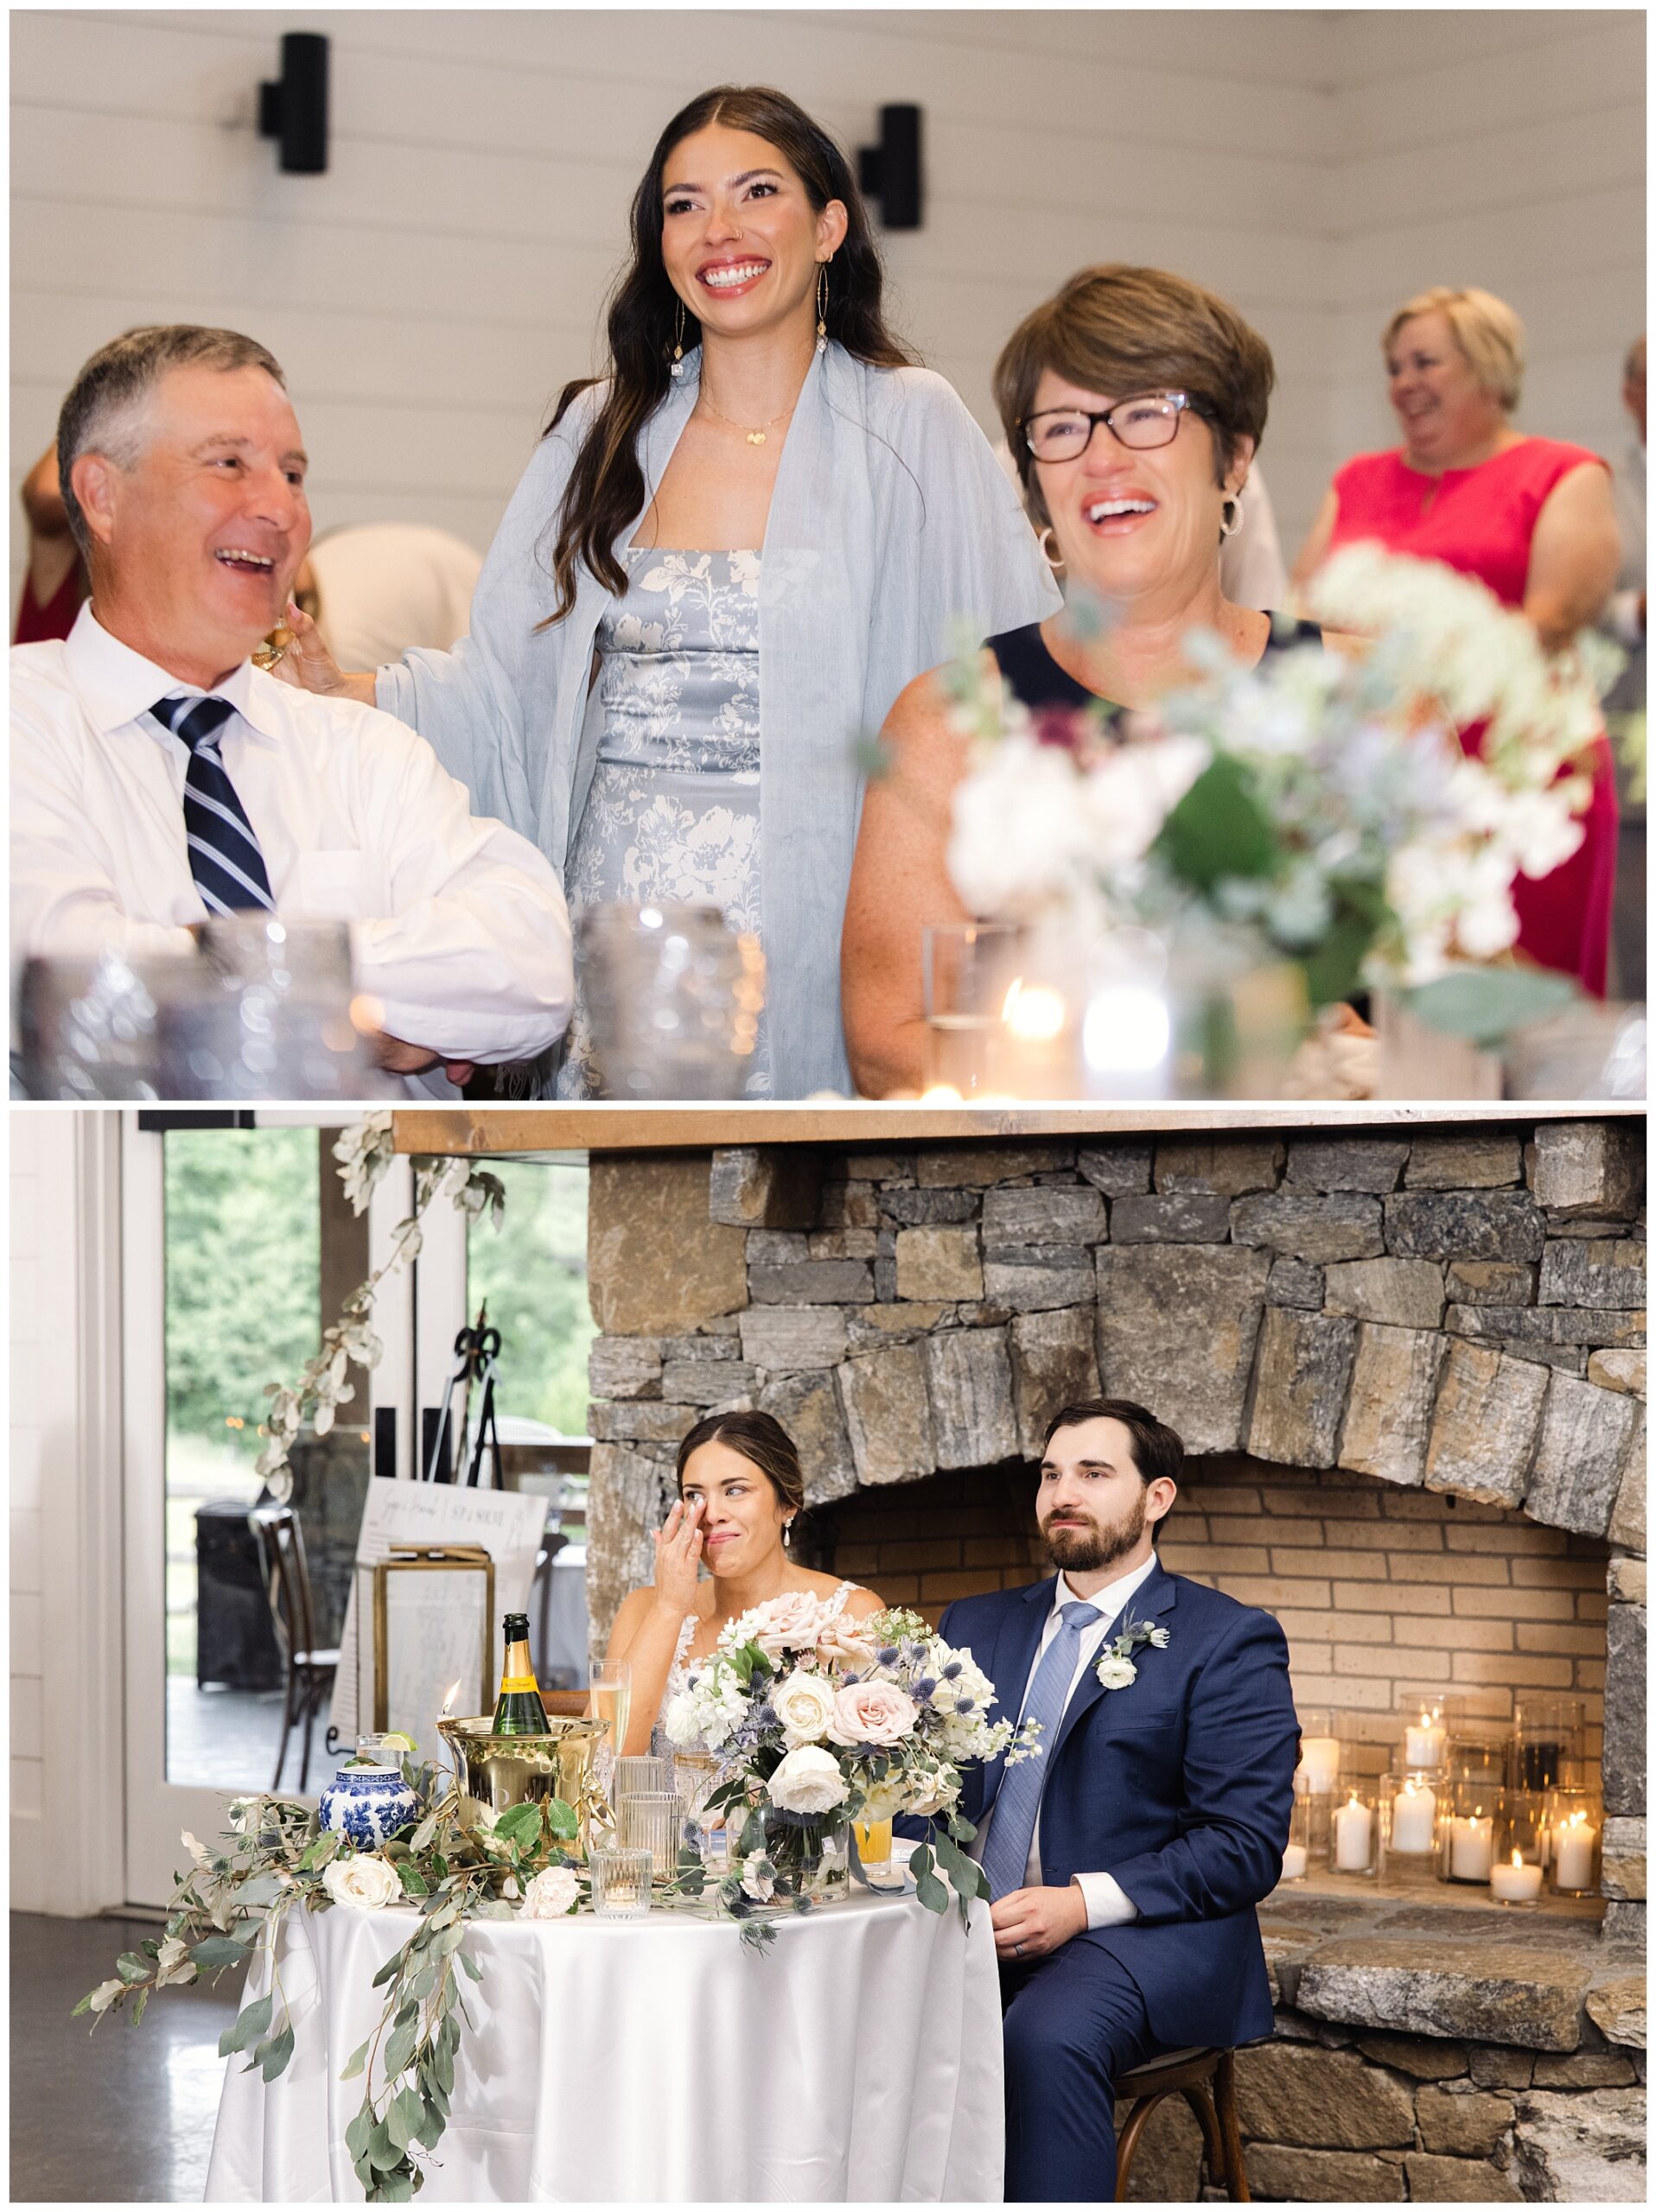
x=429, y=295
x=65, y=1511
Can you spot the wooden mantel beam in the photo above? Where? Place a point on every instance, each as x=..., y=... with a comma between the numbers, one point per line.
x=524, y=1131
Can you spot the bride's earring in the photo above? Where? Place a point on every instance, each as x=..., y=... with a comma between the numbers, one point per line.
x=787, y=1535
x=1230, y=514
x=822, y=306
x=677, y=369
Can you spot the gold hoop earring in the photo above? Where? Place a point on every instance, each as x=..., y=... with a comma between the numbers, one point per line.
x=1055, y=558
x=1228, y=528
x=677, y=369
x=822, y=306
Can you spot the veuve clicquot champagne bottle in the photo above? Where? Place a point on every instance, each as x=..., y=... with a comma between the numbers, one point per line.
x=519, y=1712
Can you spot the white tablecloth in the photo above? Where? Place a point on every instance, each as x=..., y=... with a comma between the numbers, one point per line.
x=856, y=2060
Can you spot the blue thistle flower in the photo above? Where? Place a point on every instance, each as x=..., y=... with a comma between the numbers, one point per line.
x=887, y=1656
x=963, y=1704
x=952, y=1671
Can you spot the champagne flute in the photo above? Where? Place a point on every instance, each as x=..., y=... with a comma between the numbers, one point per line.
x=611, y=1684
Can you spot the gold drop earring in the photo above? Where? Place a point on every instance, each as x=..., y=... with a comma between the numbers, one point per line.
x=677, y=369
x=822, y=306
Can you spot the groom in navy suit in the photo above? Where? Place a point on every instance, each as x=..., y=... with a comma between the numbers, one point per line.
x=1126, y=1861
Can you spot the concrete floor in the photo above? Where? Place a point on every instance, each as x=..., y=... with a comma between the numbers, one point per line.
x=226, y=1739
x=124, y=2116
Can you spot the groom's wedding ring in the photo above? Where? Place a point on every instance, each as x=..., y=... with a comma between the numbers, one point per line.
x=1017, y=1950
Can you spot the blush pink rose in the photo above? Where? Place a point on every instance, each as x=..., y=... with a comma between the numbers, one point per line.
x=872, y=1712
x=843, y=1644
x=790, y=1622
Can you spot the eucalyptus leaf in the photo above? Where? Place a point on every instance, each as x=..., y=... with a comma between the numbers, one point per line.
x=249, y=2024
x=471, y=1965
x=1487, y=1004
x=395, y=2188
x=354, y=2065
x=261, y=1889
x=384, y=2156
x=931, y=1893
x=279, y=2052
x=401, y=2049
x=222, y=1950
x=131, y=1968
x=359, y=2130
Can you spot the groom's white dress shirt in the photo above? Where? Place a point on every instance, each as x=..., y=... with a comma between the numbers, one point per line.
x=459, y=927
x=1108, y=1904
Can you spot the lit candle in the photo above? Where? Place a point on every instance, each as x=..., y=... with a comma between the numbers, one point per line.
x=1472, y=1848
x=1517, y=1883
x=1354, y=1826
x=1423, y=1746
x=1414, y=1810
x=1572, y=1849
x=1319, y=1763
x=1293, y=1862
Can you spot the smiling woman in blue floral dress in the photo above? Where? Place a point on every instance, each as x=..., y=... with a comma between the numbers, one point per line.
x=727, y=559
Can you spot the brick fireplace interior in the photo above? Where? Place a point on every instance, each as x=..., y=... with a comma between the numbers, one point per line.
x=1381, y=1592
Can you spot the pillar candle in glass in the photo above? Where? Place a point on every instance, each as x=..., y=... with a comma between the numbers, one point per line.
x=1410, y=1832
x=1575, y=1820
x=1319, y=1766
x=1467, y=1819
x=1296, y=1854
x=1514, y=1881
x=1354, y=1826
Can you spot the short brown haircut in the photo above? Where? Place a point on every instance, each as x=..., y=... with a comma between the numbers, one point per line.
x=101, y=412
x=1158, y=1451
x=759, y=1437
x=1488, y=333
x=1120, y=329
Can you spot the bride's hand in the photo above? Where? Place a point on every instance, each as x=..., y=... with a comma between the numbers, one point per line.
x=308, y=665
x=678, y=1556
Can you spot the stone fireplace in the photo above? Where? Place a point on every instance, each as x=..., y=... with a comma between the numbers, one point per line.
x=1408, y=1364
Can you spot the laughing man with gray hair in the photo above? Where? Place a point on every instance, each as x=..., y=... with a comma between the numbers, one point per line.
x=158, y=778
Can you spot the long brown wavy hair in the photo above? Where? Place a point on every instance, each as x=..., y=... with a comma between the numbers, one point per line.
x=606, y=487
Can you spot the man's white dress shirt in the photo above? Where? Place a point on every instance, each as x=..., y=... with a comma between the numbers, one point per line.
x=1108, y=1904
x=459, y=927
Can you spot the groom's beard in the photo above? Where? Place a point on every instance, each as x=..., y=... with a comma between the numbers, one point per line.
x=1094, y=1544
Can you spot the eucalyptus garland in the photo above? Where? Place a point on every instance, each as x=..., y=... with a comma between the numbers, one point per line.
x=459, y=1864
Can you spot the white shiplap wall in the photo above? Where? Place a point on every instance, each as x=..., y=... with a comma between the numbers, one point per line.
x=429, y=295
x=30, y=1182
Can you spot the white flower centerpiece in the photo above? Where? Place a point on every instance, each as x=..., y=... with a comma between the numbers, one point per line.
x=1317, y=808
x=817, y=1722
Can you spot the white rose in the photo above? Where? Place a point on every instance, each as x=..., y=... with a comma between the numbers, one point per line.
x=365, y=1879
x=1117, y=1674
x=805, y=1705
x=758, y=1877
x=552, y=1894
x=808, y=1781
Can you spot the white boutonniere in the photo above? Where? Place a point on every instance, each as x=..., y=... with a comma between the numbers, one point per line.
x=1115, y=1670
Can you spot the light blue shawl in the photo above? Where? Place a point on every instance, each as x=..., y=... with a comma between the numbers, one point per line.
x=892, y=533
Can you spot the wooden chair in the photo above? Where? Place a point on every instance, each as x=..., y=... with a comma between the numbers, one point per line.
x=308, y=1672
x=1206, y=2082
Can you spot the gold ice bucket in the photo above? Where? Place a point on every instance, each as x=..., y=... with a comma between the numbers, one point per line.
x=503, y=1770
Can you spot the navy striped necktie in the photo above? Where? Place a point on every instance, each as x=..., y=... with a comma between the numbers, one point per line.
x=225, y=858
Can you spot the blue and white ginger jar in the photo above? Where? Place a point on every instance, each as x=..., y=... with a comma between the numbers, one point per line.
x=366, y=1804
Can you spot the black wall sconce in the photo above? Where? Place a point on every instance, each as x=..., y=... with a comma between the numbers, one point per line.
x=294, y=110
x=890, y=172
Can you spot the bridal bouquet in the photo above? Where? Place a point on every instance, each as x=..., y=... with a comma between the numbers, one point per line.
x=1317, y=806
x=817, y=1722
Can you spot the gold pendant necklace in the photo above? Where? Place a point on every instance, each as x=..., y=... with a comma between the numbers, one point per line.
x=753, y=437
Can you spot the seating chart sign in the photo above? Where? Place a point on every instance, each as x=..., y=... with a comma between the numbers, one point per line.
x=434, y=1621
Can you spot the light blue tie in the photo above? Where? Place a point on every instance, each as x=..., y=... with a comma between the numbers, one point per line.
x=1007, y=1852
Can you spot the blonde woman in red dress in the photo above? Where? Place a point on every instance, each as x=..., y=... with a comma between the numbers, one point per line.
x=1533, y=519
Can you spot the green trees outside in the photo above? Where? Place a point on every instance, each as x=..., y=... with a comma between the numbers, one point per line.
x=242, y=1259
x=533, y=1270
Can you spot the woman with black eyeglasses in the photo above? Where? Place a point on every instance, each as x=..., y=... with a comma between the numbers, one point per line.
x=1134, y=403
